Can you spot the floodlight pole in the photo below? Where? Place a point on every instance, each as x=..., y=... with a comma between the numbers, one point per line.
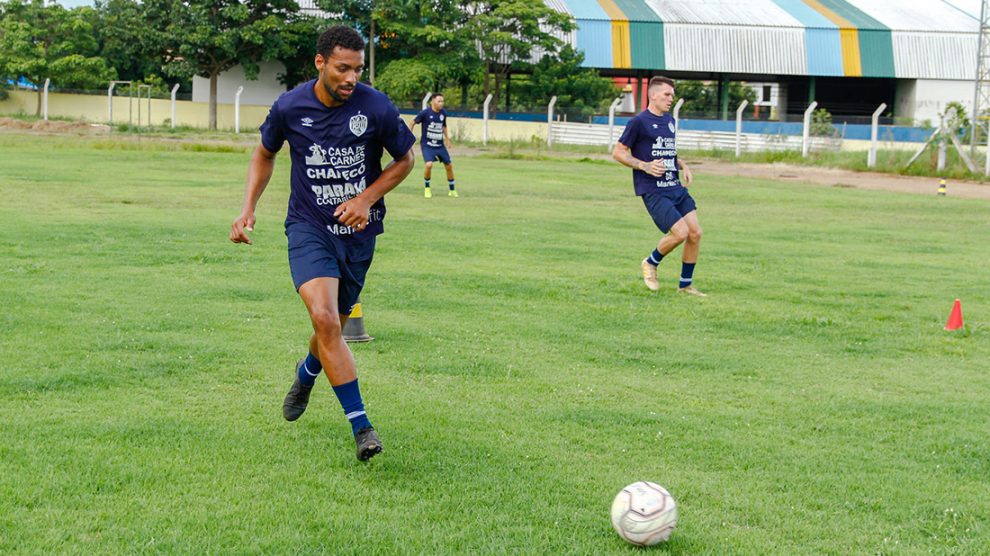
x=611, y=121
x=553, y=101
x=871, y=160
x=806, y=134
x=175, y=90
x=739, y=113
x=484, y=125
x=47, y=82
x=677, y=111
x=237, y=109
x=426, y=100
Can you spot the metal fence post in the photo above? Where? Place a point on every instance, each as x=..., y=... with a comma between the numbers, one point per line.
x=553, y=101
x=611, y=122
x=175, y=89
x=484, y=125
x=426, y=100
x=237, y=109
x=677, y=111
x=806, y=134
x=47, y=82
x=739, y=112
x=871, y=160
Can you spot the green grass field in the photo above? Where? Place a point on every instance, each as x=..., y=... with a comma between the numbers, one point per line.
x=521, y=373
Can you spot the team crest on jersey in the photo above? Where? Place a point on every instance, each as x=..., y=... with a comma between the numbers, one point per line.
x=359, y=124
x=441, y=117
x=307, y=122
x=671, y=126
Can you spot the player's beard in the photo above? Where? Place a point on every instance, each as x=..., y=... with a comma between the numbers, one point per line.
x=333, y=92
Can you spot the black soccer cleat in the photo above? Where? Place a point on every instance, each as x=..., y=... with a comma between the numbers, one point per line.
x=368, y=443
x=297, y=399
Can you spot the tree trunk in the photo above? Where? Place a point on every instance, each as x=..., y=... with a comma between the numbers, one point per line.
x=371, y=51
x=214, y=77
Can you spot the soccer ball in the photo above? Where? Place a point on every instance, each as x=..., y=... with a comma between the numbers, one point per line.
x=644, y=513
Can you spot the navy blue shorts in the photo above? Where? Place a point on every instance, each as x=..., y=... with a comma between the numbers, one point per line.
x=667, y=208
x=316, y=253
x=436, y=153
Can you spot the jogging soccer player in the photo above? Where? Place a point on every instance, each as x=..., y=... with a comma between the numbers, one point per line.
x=647, y=145
x=337, y=129
x=434, y=142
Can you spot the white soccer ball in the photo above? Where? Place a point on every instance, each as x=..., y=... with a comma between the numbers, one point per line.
x=644, y=513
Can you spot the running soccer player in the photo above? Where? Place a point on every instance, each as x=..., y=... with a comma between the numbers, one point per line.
x=337, y=129
x=647, y=145
x=434, y=142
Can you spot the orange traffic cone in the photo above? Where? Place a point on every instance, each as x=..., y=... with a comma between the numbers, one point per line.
x=955, y=318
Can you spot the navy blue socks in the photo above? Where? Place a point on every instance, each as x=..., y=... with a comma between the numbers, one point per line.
x=654, y=258
x=309, y=370
x=687, y=274
x=349, y=396
x=451, y=184
x=427, y=183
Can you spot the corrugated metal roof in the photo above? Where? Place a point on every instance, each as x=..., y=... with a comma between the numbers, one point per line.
x=720, y=48
x=919, y=15
x=934, y=55
x=763, y=13
x=934, y=39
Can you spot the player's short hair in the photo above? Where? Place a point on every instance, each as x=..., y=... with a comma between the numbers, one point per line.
x=341, y=36
x=658, y=80
x=435, y=95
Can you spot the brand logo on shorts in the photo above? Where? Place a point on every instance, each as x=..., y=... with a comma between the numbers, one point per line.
x=307, y=122
x=359, y=124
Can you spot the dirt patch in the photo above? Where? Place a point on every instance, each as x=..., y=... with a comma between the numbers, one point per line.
x=54, y=126
x=842, y=178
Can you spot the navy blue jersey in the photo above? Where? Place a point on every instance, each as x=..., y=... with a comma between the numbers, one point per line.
x=651, y=137
x=433, y=124
x=336, y=152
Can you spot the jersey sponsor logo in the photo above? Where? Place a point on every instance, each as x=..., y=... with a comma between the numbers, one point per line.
x=307, y=122
x=358, y=124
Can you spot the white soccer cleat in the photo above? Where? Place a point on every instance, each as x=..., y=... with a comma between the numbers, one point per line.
x=650, y=276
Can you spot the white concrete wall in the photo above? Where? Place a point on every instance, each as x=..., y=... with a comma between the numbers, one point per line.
x=261, y=91
x=925, y=99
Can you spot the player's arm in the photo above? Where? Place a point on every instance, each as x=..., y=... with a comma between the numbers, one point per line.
x=259, y=173
x=623, y=155
x=354, y=213
x=446, y=137
x=685, y=171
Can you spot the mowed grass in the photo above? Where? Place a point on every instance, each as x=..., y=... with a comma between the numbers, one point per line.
x=520, y=376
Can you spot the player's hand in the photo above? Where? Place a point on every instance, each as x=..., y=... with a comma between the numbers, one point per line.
x=353, y=213
x=450, y=144
x=237, y=229
x=686, y=172
x=654, y=168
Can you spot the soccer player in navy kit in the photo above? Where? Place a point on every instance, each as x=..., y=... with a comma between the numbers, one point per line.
x=337, y=130
x=647, y=145
x=434, y=142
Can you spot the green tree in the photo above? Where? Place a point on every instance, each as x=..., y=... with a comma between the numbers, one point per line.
x=701, y=98
x=580, y=92
x=41, y=42
x=126, y=39
x=209, y=37
x=507, y=33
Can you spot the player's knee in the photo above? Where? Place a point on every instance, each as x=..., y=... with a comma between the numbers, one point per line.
x=429, y=165
x=679, y=233
x=694, y=235
x=326, y=322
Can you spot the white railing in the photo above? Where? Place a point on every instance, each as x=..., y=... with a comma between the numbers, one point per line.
x=573, y=133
